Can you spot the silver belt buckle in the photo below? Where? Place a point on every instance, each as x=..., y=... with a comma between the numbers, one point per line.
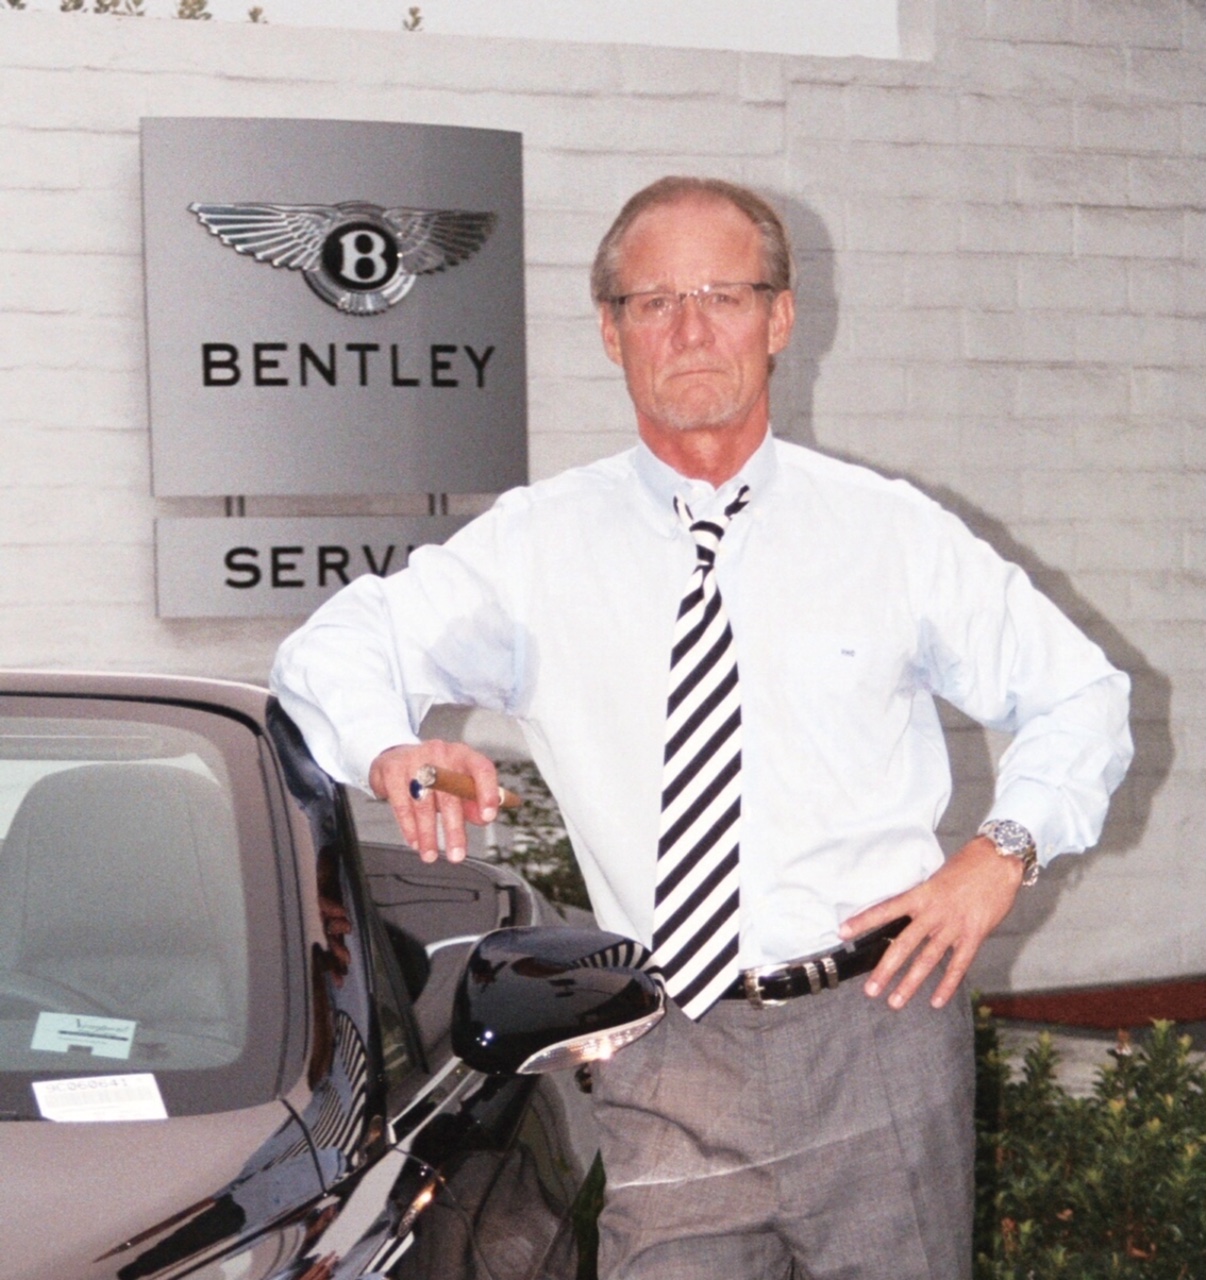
x=753, y=992
x=821, y=974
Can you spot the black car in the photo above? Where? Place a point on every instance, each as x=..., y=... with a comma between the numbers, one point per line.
x=237, y=1042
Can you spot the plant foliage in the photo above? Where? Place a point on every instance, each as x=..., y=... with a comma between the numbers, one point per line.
x=1106, y=1187
x=532, y=839
x=122, y=8
x=197, y=10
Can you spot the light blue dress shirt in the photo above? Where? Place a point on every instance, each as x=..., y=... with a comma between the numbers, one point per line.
x=854, y=600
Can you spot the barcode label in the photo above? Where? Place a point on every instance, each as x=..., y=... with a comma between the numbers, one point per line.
x=133, y=1097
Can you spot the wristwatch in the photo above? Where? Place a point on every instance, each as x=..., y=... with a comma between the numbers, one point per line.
x=1013, y=841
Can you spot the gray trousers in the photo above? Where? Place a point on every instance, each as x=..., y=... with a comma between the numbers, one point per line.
x=831, y=1134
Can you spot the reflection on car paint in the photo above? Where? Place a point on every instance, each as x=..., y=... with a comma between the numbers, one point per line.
x=373, y=1151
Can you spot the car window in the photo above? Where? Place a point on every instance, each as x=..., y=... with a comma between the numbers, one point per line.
x=139, y=906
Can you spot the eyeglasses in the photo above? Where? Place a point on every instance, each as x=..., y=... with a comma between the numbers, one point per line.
x=721, y=303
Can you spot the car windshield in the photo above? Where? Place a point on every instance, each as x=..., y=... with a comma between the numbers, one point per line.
x=139, y=911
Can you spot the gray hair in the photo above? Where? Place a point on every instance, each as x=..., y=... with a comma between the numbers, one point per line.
x=776, y=251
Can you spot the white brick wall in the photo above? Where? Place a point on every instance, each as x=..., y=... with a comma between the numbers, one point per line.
x=1004, y=281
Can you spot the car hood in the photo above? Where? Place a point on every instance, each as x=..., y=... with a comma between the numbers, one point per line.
x=72, y=1193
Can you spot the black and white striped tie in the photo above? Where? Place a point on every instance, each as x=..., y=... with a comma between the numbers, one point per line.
x=695, y=912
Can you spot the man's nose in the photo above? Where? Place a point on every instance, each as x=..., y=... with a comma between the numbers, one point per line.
x=691, y=323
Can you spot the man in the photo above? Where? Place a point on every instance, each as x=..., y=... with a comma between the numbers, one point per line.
x=773, y=1116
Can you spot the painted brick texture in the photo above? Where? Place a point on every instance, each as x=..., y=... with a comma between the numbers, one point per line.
x=1002, y=290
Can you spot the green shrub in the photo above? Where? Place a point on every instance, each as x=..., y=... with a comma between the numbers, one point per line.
x=1106, y=1187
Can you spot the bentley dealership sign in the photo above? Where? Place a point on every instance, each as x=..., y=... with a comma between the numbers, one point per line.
x=334, y=308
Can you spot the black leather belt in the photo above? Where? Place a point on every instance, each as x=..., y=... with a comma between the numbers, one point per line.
x=775, y=983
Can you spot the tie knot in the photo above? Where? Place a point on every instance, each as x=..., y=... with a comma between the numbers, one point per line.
x=708, y=532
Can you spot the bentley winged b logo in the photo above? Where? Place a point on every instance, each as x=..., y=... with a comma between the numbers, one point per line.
x=359, y=257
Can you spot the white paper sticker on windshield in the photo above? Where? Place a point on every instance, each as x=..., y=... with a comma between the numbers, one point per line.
x=71, y=1032
x=134, y=1097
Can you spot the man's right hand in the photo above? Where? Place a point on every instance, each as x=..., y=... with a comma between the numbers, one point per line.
x=392, y=773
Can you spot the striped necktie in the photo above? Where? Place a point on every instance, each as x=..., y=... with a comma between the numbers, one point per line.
x=695, y=913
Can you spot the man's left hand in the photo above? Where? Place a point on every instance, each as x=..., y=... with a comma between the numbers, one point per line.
x=952, y=913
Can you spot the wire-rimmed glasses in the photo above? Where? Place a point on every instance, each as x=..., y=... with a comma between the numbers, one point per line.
x=722, y=302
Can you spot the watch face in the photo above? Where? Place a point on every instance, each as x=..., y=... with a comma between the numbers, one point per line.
x=1013, y=838
x=1009, y=837
x=1014, y=841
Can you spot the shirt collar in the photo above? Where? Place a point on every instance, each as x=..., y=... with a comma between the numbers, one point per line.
x=663, y=484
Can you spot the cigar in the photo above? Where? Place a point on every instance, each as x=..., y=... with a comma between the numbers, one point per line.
x=432, y=778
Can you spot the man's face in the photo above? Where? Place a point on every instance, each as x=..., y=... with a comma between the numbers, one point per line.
x=695, y=371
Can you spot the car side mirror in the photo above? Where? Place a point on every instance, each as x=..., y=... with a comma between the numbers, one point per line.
x=539, y=999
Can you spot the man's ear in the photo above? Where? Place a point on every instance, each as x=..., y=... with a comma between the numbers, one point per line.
x=782, y=321
x=610, y=332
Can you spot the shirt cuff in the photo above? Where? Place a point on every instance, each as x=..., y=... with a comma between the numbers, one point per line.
x=1037, y=809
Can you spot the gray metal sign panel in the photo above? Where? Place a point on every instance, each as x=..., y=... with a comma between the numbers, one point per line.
x=256, y=566
x=333, y=307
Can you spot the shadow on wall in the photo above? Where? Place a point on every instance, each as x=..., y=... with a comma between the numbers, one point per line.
x=797, y=368
x=973, y=749
x=1130, y=809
